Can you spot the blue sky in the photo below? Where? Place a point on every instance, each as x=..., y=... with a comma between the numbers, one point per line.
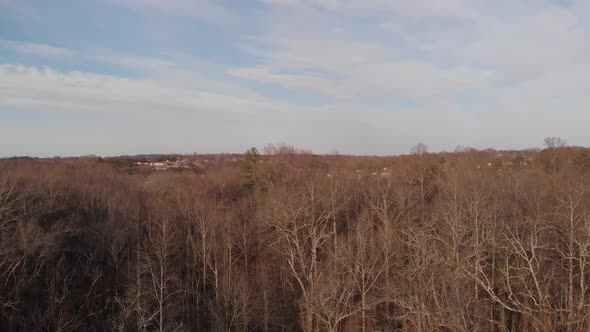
x=112, y=77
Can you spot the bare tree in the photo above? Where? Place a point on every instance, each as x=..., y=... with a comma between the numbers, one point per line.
x=554, y=144
x=302, y=233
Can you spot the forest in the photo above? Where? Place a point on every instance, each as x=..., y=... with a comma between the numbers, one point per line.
x=288, y=240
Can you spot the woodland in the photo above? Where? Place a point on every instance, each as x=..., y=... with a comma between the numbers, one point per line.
x=287, y=240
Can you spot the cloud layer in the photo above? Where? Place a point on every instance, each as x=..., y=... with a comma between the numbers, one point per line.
x=364, y=77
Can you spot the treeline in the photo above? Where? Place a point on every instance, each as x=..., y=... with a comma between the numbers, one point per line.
x=289, y=241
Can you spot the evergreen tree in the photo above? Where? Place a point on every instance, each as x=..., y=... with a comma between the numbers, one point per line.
x=249, y=165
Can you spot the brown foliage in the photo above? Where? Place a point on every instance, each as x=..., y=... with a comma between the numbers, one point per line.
x=464, y=241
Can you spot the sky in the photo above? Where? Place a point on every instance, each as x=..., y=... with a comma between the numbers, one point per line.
x=370, y=77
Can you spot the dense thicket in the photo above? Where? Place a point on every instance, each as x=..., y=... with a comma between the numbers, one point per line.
x=290, y=241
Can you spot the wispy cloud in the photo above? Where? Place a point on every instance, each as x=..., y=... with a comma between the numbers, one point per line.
x=203, y=10
x=46, y=89
x=419, y=8
x=38, y=49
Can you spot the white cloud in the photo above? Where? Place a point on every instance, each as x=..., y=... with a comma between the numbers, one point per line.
x=420, y=8
x=281, y=2
x=45, y=89
x=533, y=45
x=480, y=49
x=203, y=10
x=344, y=70
x=307, y=83
x=167, y=117
x=42, y=50
x=481, y=75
